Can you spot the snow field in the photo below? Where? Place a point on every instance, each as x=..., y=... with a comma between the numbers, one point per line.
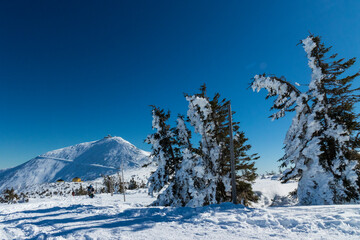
x=108, y=217
x=270, y=187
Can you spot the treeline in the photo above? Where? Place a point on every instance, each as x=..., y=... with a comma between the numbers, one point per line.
x=115, y=184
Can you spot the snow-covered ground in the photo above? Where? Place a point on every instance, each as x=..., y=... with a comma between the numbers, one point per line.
x=109, y=217
x=272, y=192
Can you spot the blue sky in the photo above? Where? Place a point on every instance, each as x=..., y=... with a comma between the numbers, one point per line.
x=75, y=71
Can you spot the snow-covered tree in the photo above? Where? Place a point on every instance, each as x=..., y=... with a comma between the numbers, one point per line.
x=202, y=175
x=182, y=188
x=206, y=171
x=320, y=146
x=244, y=163
x=162, y=151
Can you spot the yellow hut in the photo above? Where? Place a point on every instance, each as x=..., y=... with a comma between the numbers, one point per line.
x=60, y=180
x=76, y=179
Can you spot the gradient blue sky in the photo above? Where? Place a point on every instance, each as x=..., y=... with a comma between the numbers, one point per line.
x=75, y=71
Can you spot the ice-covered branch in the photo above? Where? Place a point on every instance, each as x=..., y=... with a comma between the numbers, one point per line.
x=317, y=75
x=287, y=94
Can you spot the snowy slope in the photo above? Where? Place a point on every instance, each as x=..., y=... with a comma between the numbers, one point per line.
x=48, y=190
x=85, y=160
x=272, y=192
x=108, y=217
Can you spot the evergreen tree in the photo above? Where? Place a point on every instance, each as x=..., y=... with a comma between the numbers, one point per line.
x=162, y=151
x=133, y=184
x=202, y=174
x=180, y=190
x=120, y=183
x=207, y=176
x=244, y=163
x=10, y=196
x=109, y=183
x=320, y=146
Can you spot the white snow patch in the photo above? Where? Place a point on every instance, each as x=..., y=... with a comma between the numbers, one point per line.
x=108, y=217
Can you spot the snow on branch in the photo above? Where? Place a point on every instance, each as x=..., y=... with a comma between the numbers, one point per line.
x=317, y=75
x=286, y=93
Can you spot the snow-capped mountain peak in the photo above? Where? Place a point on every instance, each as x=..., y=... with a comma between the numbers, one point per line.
x=87, y=160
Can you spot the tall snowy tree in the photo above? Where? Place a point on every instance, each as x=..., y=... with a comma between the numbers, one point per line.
x=244, y=163
x=203, y=175
x=162, y=151
x=182, y=187
x=210, y=118
x=321, y=144
x=207, y=177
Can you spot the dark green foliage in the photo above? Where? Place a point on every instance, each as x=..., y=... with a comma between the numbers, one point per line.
x=341, y=98
x=132, y=184
x=172, y=146
x=23, y=197
x=244, y=163
x=80, y=191
x=120, y=184
x=142, y=184
x=109, y=183
x=245, y=193
x=328, y=106
x=162, y=150
x=180, y=143
x=9, y=196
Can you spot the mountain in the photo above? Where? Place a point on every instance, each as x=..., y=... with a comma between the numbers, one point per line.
x=87, y=160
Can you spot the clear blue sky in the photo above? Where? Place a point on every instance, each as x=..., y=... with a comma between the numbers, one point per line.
x=75, y=71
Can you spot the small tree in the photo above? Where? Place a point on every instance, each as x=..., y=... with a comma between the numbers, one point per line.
x=80, y=191
x=109, y=183
x=120, y=184
x=9, y=196
x=162, y=151
x=132, y=184
x=244, y=163
x=181, y=189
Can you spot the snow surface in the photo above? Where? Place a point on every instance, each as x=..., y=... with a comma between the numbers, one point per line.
x=109, y=217
x=271, y=189
x=85, y=160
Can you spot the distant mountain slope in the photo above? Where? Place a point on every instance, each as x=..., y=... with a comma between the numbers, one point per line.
x=85, y=160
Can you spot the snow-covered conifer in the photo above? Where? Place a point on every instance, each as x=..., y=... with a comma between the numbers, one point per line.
x=244, y=163
x=206, y=176
x=211, y=120
x=202, y=174
x=162, y=151
x=320, y=146
x=182, y=188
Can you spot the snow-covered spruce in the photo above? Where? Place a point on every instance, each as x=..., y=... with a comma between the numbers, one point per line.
x=197, y=172
x=320, y=147
x=180, y=191
x=202, y=175
x=162, y=151
x=205, y=172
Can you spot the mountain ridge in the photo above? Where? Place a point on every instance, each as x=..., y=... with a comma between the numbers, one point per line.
x=87, y=160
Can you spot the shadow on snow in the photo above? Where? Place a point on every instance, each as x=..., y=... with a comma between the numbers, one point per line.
x=137, y=219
